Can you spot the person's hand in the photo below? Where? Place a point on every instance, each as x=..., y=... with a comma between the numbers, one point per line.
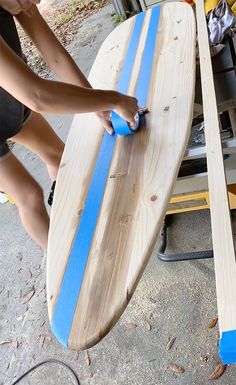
x=17, y=6
x=127, y=108
x=104, y=118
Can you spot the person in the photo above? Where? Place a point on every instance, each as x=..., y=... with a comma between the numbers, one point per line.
x=24, y=97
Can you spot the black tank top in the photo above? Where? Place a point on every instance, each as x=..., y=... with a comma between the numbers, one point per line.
x=11, y=110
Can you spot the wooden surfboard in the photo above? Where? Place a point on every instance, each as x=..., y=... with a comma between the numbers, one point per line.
x=112, y=191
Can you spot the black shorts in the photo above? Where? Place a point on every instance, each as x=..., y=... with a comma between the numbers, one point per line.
x=9, y=132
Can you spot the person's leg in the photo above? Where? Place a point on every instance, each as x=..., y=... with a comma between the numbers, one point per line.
x=37, y=135
x=28, y=197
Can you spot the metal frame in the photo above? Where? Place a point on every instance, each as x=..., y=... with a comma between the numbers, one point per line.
x=190, y=256
x=124, y=7
x=119, y=8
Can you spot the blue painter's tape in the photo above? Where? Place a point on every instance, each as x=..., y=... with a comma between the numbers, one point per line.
x=227, y=347
x=146, y=65
x=120, y=126
x=73, y=276
x=123, y=82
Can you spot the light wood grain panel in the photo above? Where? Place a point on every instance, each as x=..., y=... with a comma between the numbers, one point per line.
x=224, y=254
x=142, y=174
x=77, y=164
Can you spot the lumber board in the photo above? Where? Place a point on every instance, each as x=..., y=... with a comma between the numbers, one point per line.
x=222, y=237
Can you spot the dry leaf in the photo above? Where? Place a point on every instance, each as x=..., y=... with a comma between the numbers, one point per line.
x=170, y=343
x=30, y=273
x=131, y=326
x=39, y=291
x=19, y=257
x=152, y=360
x=213, y=323
x=151, y=316
x=204, y=358
x=41, y=340
x=11, y=361
x=16, y=344
x=5, y=342
x=219, y=370
x=87, y=358
x=28, y=296
x=147, y=325
x=153, y=300
x=176, y=368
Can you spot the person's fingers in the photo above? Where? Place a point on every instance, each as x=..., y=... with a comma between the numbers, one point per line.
x=23, y=4
x=108, y=127
x=131, y=122
x=26, y=5
x=143, y=110
x=135, y=123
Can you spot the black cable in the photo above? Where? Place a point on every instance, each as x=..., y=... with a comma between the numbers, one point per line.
x=50, y=361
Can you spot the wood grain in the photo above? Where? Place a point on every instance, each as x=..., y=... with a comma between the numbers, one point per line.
x=141, y=178
x=224, y=254
x=78, y=160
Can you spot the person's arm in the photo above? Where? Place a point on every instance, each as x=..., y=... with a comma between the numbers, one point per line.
x=54, y=54
x=47, y=96
x=17, y=6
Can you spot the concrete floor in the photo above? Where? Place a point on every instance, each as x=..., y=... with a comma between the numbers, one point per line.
x=171, y=300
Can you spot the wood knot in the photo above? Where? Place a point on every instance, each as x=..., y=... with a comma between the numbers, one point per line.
x=126, y=219
x=118, y=175
x=80, y=212
x=166, y=109
x=153, y=198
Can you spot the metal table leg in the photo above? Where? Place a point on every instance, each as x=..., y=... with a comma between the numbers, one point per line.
x=178, y=257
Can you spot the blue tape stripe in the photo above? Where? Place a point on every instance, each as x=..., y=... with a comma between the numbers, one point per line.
x=146, y=66
x=227, y=347
x=123, y=83
x=122, y=127
x=73, y=277
x=74, y=273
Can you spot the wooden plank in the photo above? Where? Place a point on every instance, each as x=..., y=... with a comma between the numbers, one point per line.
x=223, y=245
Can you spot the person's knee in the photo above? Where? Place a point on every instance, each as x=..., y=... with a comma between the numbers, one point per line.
x=33, y=198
